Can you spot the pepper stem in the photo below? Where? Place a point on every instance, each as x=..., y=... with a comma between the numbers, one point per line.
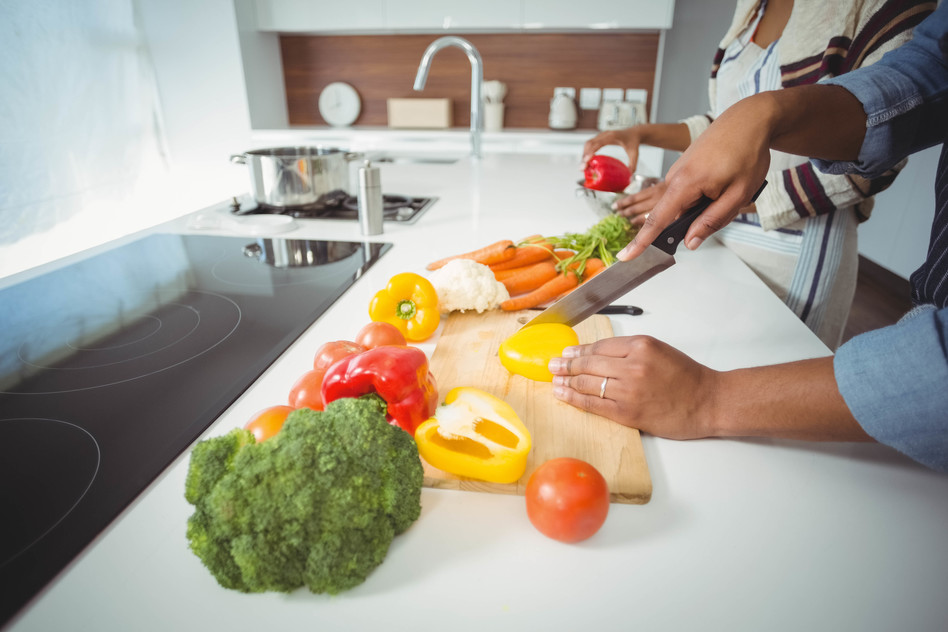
x=406, y=309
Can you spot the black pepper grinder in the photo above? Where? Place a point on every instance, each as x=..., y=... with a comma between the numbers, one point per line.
x=371, y=210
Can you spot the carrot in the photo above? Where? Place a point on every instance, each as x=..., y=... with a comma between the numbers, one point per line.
x=529, y=253
x=503, y=275
x=594, y=266
x=529, y=278
x=494, y=253
x=547, y=292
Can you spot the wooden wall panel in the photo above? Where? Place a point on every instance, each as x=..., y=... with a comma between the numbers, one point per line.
x=531, y=64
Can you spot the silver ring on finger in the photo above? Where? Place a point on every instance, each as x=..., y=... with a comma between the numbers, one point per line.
x=602, y=389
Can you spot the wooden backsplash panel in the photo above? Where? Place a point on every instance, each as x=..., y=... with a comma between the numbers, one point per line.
x=531, y=64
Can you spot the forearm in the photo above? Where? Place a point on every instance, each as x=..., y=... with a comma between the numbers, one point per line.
x=816, y=121
x=799, y=400
x=671, y=136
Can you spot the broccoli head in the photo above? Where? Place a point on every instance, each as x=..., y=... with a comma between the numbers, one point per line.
x=316, y=505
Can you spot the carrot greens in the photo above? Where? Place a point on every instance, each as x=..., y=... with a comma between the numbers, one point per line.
x=602, y=241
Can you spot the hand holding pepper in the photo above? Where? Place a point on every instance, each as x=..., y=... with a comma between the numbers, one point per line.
x=605, y=173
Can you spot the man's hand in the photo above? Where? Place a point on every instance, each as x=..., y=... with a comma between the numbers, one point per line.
x=727, y=164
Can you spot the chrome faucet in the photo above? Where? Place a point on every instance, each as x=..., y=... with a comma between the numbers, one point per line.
x=477, y=79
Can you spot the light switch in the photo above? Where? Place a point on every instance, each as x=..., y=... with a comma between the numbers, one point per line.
x=589, y=98
x=612, y=94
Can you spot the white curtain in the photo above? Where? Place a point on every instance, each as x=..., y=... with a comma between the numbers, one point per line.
x=80, y=127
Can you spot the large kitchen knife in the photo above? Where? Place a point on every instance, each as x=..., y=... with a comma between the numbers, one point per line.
x=623, y=276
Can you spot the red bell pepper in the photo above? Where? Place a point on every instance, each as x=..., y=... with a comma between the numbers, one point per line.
x=605, y=173
x=399, y=375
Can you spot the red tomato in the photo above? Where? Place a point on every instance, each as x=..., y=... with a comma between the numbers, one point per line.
x=331, y=352
x=268, y=422
x=567, y=499
x=379, y=334
x=305, y=393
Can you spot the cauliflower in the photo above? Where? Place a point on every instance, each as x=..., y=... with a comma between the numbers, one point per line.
x=463, y=284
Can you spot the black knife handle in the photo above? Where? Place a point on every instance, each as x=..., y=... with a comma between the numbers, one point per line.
x=631, y=310
x=669, y=238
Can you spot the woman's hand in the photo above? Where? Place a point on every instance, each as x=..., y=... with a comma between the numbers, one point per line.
x=649, y=385
x=629, y=139
x=638, y=205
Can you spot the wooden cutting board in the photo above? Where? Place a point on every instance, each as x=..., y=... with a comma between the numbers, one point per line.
x=466, y=355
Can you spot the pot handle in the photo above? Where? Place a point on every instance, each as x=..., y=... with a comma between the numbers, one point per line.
x=238, y=159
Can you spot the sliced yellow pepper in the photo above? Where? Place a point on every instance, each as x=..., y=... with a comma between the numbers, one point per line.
x=529, y=350
x=475, y=435
x=409, y=302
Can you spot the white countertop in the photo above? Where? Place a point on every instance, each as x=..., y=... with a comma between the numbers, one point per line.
x=738, y=535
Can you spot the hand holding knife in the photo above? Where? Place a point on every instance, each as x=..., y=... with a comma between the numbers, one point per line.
x=622, y=276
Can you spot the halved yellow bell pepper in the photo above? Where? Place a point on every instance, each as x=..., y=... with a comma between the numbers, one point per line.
x=409, y=302
x=528, y=351
x=475, y=435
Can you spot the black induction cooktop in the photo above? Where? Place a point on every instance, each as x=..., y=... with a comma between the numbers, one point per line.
x=111, y=367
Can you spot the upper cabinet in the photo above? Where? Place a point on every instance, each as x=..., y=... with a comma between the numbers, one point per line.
x=602, y=14
x=307, y=16
x=431, y=16
x=458, y=15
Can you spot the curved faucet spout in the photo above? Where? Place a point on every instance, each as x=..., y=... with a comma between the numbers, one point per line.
x=477, y=80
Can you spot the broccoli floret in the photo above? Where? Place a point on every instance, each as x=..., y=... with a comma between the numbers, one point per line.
x=316, y=505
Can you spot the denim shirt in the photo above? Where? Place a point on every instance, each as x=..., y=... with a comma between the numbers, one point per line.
x=905, y=97
x=895, y=380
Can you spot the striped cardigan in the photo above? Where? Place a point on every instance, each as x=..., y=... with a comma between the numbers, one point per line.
x=821, y=39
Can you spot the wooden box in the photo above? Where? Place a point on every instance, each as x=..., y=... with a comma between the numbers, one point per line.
x=419, y=113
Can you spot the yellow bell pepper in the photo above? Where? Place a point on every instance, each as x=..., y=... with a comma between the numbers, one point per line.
x=409, y=302
x=475, y=435
x=529, y=350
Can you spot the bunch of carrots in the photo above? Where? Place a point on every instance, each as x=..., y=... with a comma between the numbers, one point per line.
x=533, y=270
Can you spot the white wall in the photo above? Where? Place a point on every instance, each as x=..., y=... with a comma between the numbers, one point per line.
x=195, y=51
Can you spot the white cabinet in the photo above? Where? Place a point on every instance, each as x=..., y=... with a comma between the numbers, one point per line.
x=457, y=15
x=602, y=14
x=432, y=16
x=315, y=16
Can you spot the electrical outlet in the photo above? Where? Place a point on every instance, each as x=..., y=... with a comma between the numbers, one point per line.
x=612, y=94
x=570, y=92
x=636, y=95
x=589, y=98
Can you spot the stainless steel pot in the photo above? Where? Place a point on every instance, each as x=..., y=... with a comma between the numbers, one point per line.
x=288, y=177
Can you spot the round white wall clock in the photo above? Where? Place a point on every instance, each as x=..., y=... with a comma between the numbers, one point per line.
x=339, y=104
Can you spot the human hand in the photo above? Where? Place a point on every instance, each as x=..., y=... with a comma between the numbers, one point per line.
x=727, y=164
x=638, y=205
x=649, y=385
x=629, y=139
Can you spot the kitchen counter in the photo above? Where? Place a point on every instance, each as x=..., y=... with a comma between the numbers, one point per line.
x=750, y=534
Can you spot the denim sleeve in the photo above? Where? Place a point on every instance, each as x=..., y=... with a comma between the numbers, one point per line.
x=895, y=382
x=905, y=97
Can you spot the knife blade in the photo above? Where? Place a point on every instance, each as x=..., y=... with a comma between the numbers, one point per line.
x=623, y=276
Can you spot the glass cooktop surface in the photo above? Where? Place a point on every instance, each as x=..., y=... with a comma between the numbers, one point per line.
x=111, y=367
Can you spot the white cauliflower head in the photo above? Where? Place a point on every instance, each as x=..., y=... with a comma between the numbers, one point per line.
x=464, y=285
